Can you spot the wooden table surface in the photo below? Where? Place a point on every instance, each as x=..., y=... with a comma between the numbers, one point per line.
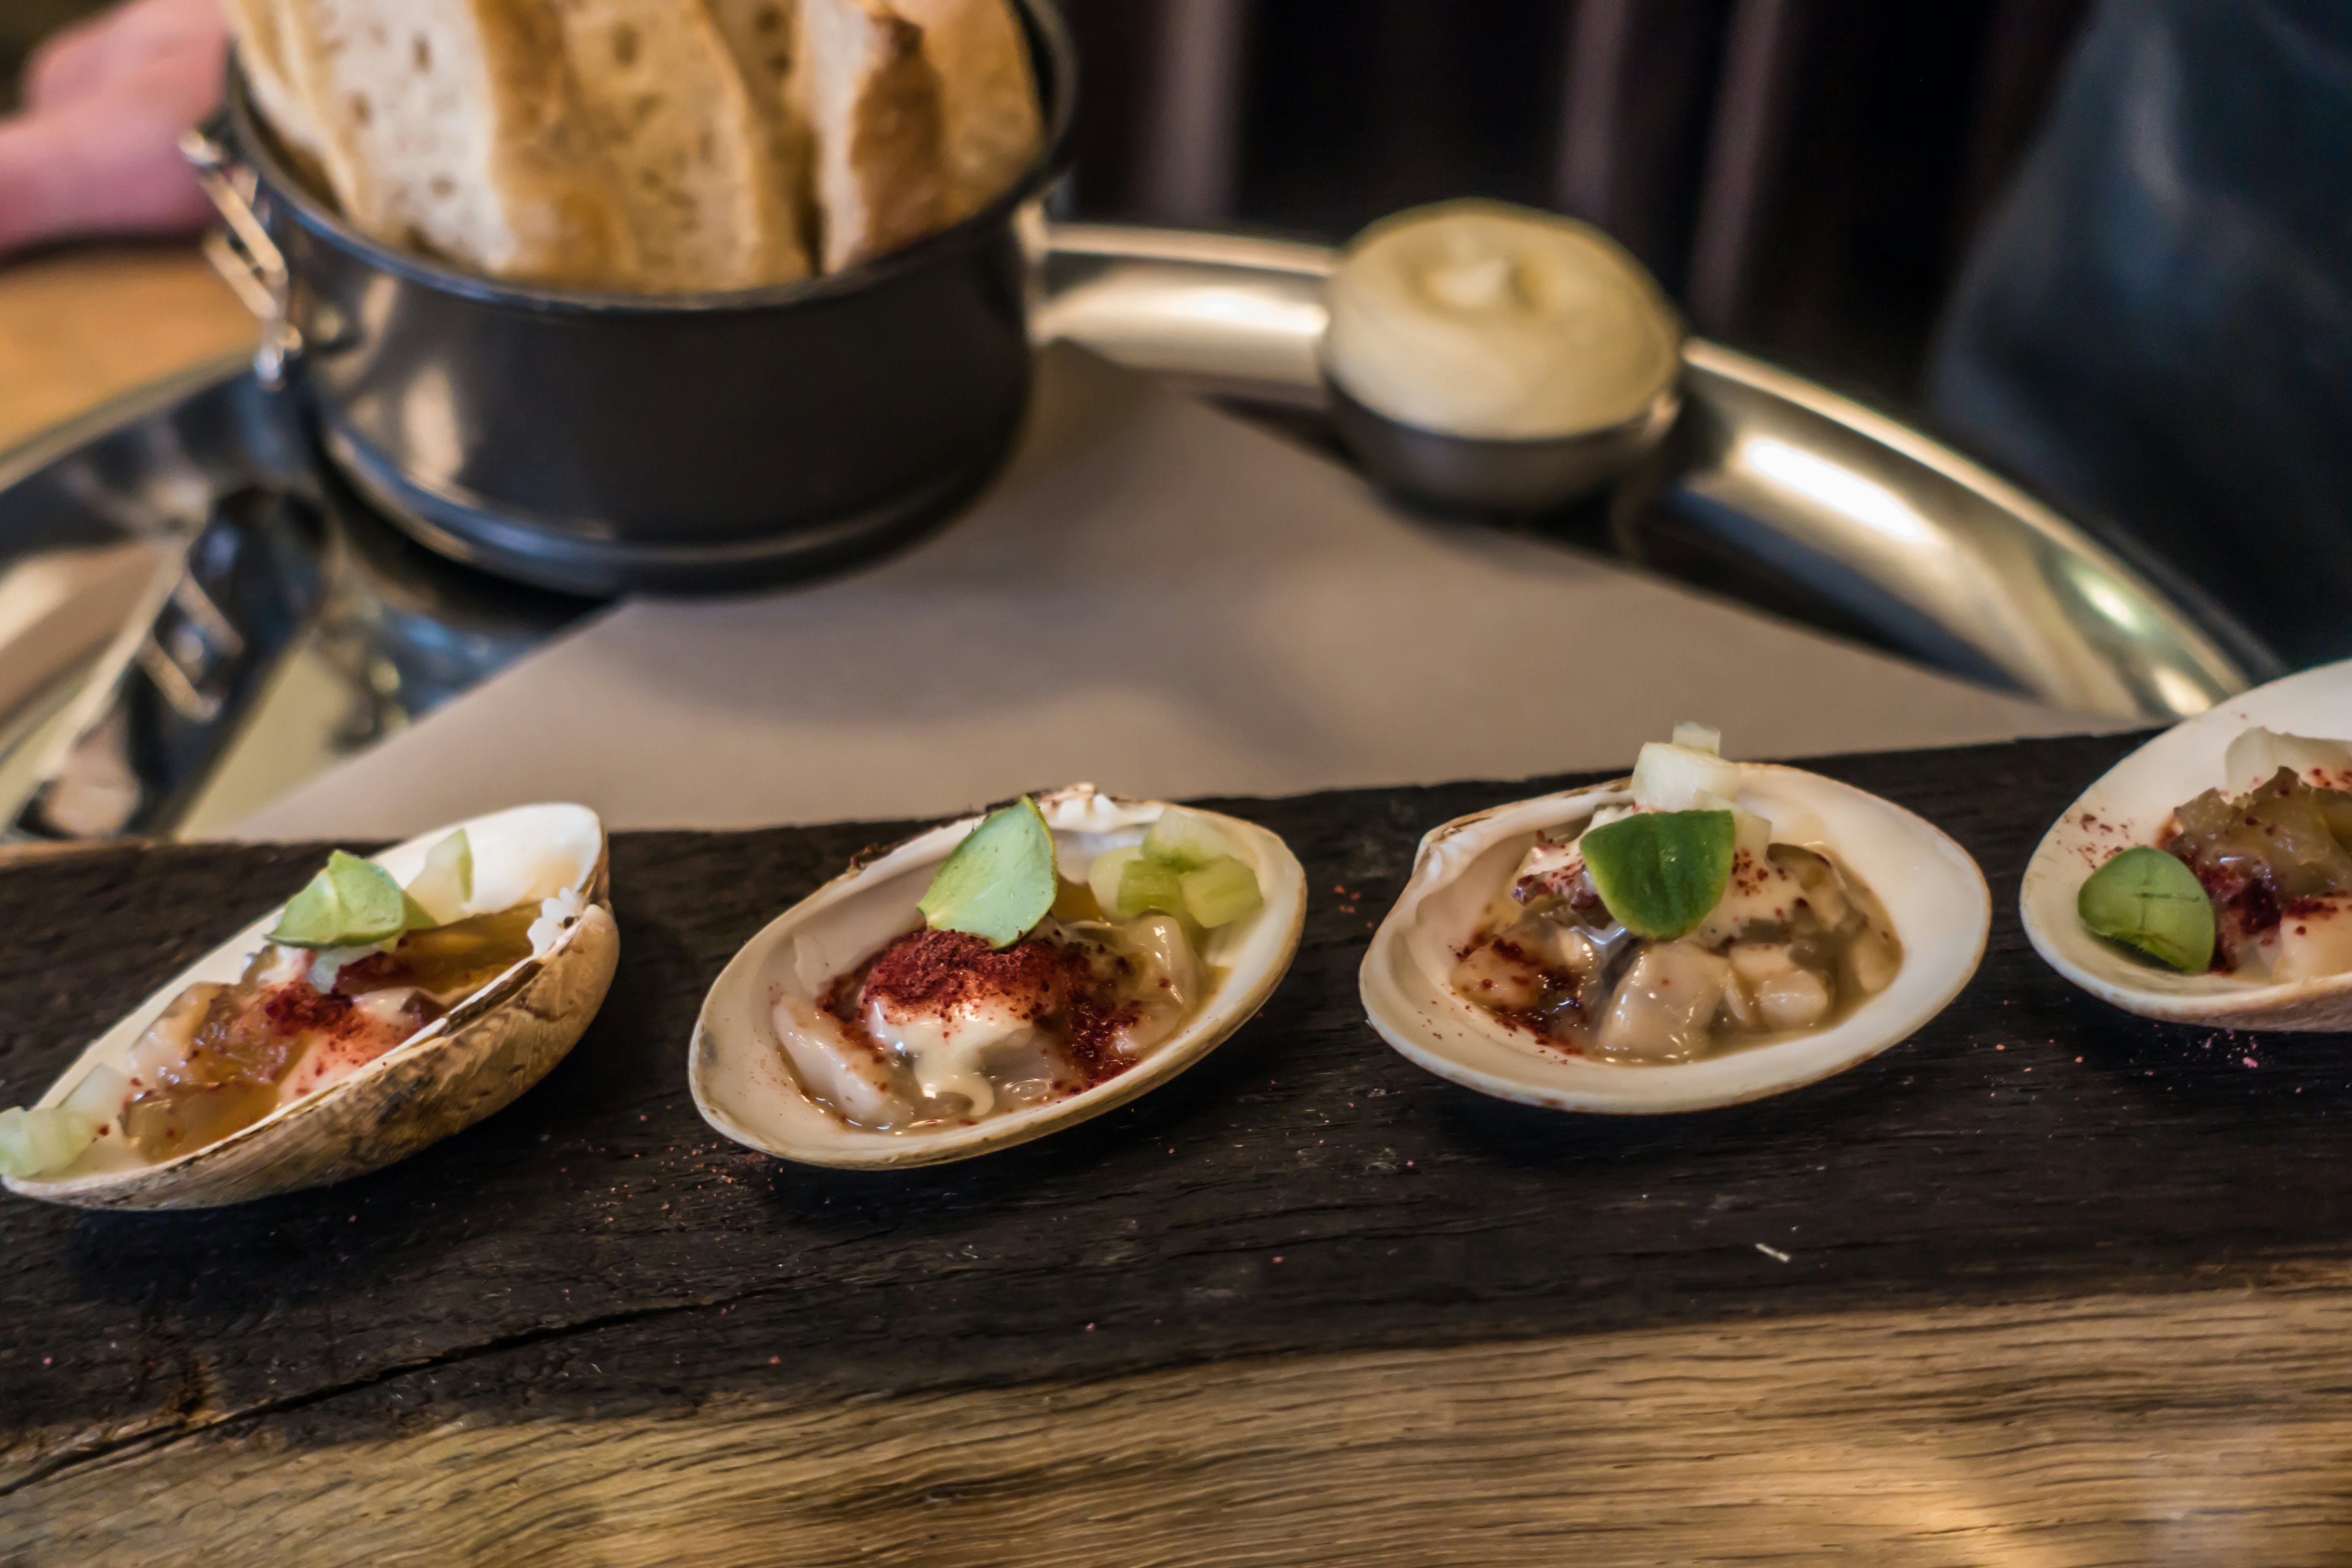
x=83, y=324
x=2046, y=1285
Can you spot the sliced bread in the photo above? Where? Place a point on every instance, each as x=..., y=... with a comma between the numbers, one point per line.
x=873, y=106
x=694, y=158
x=763, y=34
x=261, y=50
x=988, y=95
x=454, y=126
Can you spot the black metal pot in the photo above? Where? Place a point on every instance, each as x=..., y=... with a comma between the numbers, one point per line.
x=600, y=442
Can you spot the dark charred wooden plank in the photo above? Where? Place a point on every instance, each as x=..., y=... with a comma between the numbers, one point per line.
x=1303, y=1190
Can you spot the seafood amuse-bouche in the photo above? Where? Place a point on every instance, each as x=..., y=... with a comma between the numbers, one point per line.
x=996, y=979
x=357, y=965
x=1021, y=987
x=2251, y=879
x=1675, y=924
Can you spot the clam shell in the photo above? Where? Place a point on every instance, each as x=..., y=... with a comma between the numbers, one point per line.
x=744, y=1088
x=1931, y=889
x=471, y=1061
x=2128, y=805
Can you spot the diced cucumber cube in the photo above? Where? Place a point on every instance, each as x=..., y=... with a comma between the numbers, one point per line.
x=1221, y=893
x=99, y=1096
x=1146, y=884
x=1186, y=840
x=45, y=1139
x=1672, y=778
x=1104, y=874
x=447, y=884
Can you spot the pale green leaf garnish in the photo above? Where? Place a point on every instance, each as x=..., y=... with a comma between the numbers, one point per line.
x=1221, y=893
x=2147, y=899
x=1661, y=872
x=1001, y=879
x=352, y=903
x=446, y=885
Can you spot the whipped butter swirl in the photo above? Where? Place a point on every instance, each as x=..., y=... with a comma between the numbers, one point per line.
x=1482, y=320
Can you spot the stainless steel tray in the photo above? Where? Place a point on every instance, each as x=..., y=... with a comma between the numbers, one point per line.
x=282, y=626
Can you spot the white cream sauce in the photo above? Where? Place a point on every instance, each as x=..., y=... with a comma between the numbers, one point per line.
x=1481, y=319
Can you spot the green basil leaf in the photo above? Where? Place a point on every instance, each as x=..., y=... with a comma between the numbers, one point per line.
x=2147, y=900
x=1661, y=872
x=1001, y=879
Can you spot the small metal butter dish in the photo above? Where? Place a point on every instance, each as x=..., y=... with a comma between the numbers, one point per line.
x=1514, y=477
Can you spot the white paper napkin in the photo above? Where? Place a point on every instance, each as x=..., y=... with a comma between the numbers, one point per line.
x=1156, y=597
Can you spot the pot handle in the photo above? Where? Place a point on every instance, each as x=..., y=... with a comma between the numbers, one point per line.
x=243, y=253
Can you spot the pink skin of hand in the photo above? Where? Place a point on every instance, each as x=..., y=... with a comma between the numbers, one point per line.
x=96, y=150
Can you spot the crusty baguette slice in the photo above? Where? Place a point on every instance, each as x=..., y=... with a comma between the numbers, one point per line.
x=693, y=157
x=261, y=50
x=454, y=126
x=763, y=35
x=873, y=106
x=988, y=95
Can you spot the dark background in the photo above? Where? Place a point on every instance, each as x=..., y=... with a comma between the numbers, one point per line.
x=1803, y=175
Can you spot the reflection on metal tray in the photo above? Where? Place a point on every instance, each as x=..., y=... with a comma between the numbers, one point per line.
x=282, y=625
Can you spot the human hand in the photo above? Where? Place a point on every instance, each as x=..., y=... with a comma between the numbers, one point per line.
x=95, y=149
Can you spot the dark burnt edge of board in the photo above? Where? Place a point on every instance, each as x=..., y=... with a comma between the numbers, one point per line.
x=594, y=1248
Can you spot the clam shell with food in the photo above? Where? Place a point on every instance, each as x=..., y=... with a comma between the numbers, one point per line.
x=745, y=1088
x=1931, y=890
x=2129, y=805
x=472, y=1060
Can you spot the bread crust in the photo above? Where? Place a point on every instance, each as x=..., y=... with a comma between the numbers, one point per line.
x=453, y=127
x=262, y=51
x=874, y=105
x=692, y=158
x=988, y=96
x=763, y=35
x=659, y=146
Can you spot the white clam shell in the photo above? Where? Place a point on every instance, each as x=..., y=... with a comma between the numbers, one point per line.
x=2128, y=805
x=1930, y=887
x=472, y=1060
x=736, y=1068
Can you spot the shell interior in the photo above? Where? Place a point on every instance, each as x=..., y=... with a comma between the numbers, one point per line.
x=737, y=1069
x=2129, y=805
x=519, y=852
x=1931, y=889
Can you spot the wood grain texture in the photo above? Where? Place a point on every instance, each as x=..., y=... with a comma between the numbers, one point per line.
x=82, y=325
x=1304, y=1222
x=2202, y=1430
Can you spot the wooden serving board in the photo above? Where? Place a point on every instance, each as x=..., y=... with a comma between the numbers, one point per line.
x=2043, y=1274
